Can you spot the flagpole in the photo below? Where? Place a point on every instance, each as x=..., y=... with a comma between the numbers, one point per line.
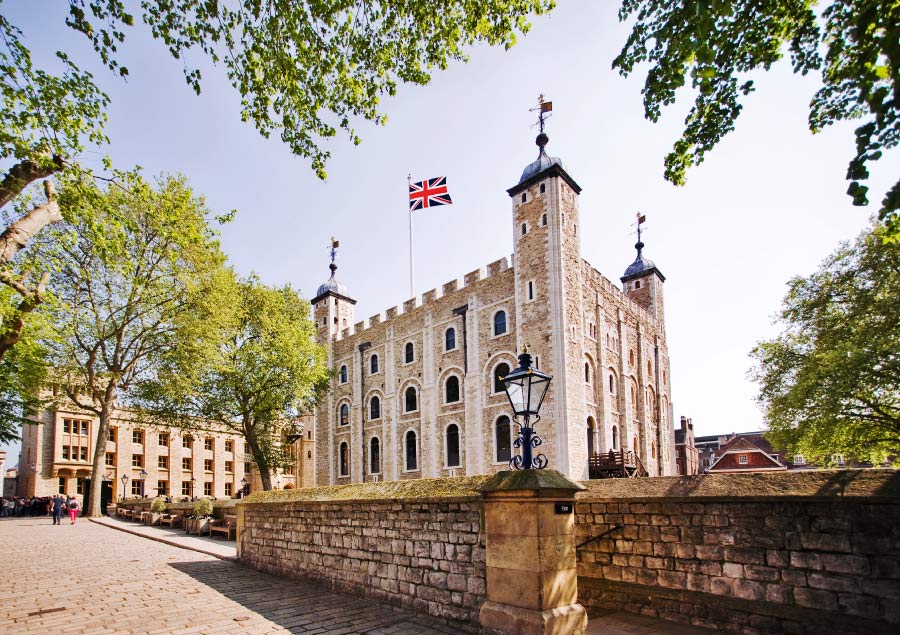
x=411, y=279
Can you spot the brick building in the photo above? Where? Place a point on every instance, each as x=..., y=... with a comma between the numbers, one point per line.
x=416, y=392
x=57, y=454
x=687, y=456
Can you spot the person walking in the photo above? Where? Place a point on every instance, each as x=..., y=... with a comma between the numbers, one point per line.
x=57, y=510
x=72, y=506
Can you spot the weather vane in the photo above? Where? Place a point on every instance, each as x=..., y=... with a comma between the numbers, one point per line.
x=542, y=109
x=641, y=219
x=333, y=250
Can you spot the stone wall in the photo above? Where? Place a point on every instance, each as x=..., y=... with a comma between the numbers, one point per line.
x=423, y=555
x=764, y=553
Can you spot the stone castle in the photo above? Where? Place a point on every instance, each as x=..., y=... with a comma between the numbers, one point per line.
x=417, y=391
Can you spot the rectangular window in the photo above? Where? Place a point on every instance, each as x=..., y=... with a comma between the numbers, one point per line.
x=186, y=441
x=135, y=487
x=799, y=459
x=531, y=290
x=838, y=459
x=110, y=459
x=186, y=488
x=162, y=462
x=137, y=460
x=137, y=436
x=247, y=467
x=207, y=488
x=229, y=489
x=67, y=426
x=207, y=465
x=186, y=464
x=207, y=444
x=65, y=453
x=82, y=453
x=113, y=434
x=79, y=486
x=229, y=445
x=62, y=485
x=742, y=459
x=84, y=428
x=162, y=488
x=164, y=439
x=229, y=466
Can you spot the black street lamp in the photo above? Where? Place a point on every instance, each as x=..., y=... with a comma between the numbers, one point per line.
x=143, y=480
x=245, y=486
x=193, y=480
x=525, y=388
x=124, y=480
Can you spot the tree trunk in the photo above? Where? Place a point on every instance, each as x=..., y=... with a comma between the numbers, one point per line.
x=99, y=465
x=22, y=174
x=15, y=237
x=265, y=473
x=31, y=299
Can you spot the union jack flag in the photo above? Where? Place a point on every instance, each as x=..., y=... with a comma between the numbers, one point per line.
x=428, y=193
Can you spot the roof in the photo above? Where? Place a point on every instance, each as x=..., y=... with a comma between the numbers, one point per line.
x=641, y=266
x=747, y=444
x=542, y=167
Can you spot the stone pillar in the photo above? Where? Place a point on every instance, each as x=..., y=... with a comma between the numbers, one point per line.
x=532, y=582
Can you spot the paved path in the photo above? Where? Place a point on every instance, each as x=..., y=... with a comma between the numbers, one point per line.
x=88, y=578
x=91, y=578
x=218, y=547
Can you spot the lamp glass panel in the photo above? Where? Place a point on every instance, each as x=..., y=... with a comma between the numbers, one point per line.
x=517, y=392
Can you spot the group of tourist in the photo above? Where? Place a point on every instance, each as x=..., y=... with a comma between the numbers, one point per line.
x=41, y=506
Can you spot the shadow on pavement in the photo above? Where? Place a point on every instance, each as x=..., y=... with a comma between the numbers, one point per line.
x=301, y=607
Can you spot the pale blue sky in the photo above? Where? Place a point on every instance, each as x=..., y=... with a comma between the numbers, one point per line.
x=766, y=205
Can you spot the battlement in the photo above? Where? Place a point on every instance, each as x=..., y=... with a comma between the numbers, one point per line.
x=428, y=298
x=610, y=287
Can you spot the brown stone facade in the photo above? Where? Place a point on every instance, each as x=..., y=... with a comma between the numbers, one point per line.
x=605, y=348
x=425, y=555
x=828, y=562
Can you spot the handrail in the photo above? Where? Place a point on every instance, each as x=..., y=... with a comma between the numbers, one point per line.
x=595, y=538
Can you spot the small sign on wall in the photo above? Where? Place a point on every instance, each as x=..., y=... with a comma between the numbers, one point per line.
x=564, y=508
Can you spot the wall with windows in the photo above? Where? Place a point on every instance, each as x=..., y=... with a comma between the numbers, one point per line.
x=421, y=378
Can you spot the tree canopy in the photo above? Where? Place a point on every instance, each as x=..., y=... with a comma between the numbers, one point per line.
x=137, y=278
x=830, y=383
x=715, y=45
x=262, y=370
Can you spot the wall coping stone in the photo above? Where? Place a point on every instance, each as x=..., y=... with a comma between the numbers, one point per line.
x=517, y=480
x=816, y=484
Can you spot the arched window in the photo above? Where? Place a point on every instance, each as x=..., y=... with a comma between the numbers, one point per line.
x=375, y=456
x=500, y=323
x=409, y=353
x=503, y=445
x=649, y=368
x=412, y=461
x=452, y=445
x=631, y=357
x=587, y=373
x=450, y=339
x=345, y=414
x=544, y=220
x=634, y=443
x=524, y=229
x=590, y=435
x=373, y=364
x=451, y=389
x=374, y=408
x=501, y=371
x=344, y=459
x=344, y=374
x=612, y=384
x=615, y=439
x=409, y=400
x=653, y=449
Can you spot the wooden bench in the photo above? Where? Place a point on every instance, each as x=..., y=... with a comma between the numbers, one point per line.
x=127, y=514
x=146, y=518
x=227, y=526
x=112, y=510
x=171, y=520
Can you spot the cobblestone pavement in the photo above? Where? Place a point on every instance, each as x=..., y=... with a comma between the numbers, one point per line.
x=88, y=578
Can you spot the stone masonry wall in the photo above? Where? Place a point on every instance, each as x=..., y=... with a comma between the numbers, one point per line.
x=807, y=556
x=424, y=555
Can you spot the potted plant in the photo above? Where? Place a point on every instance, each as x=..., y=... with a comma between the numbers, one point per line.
x=158, y=508
x=202, y=512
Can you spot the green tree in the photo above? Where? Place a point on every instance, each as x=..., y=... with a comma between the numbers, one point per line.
x=264, y=370
x=830, y=383
x=304, y=69
x=717, y=44
x=138, y=281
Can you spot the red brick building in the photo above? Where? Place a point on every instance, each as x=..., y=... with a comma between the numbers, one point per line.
x=740, y=454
